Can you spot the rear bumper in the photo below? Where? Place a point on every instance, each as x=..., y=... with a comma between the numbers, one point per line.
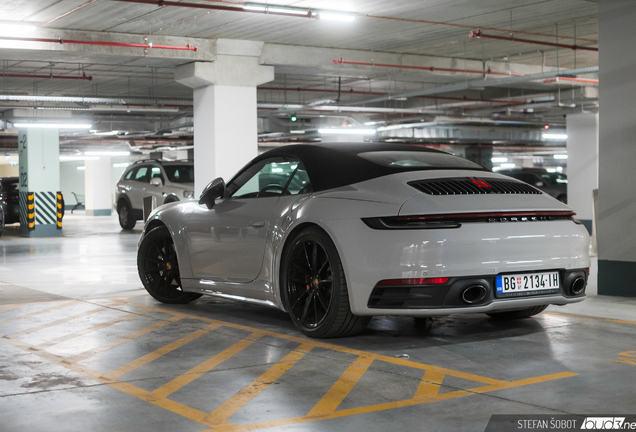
x=474, y=252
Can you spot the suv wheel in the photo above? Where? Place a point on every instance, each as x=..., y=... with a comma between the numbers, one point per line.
x=126, y=219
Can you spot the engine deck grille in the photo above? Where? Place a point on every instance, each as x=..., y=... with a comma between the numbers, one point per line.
x=473, y=186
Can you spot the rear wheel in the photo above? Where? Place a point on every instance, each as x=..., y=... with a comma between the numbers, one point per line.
x=159, y=269
x=516, y=314
x=314, y=288
x=126, y=219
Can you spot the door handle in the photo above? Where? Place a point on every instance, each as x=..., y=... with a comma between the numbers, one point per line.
x=259, y=224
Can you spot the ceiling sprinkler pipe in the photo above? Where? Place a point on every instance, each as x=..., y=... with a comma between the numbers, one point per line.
x=115, y=44
x=581, y=80
x=428, y=68
x=69, y=77
x=478, y=34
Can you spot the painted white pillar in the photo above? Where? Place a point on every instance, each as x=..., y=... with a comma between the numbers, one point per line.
x=225, y=118
x=616, y=222
x=97, y=187
x=582, y=147
x=39, y=159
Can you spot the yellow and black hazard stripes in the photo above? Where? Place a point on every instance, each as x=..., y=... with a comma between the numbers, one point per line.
x=59, y=209
x=46, y=208
x=26, y=201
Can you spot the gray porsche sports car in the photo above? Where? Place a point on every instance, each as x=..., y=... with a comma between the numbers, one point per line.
x=336, y=233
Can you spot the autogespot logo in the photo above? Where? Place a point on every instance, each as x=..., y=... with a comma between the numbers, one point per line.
x=607, y=423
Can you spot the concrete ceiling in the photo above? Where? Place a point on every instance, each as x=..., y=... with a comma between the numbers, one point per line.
x=425, y=33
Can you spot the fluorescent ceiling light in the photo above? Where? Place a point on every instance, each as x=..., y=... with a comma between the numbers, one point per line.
x=555, y=136
x=255, y=8
x=124, y=108
x=16, y=29
x=107, y=153
x=81, y=168
x=508, y=165
x=53, y=125
x=347, y=131
x=297, y=131
x=551, y=170
x=335, y=17
x=121, y=165
x=499, y=159
x=275, y=9
x=560, y=156
x=77, y=158
x=111, y=133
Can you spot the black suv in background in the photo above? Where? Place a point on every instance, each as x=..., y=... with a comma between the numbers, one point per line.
x=555, y=184
x=9, y=199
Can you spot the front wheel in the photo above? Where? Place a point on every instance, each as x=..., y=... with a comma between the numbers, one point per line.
x=516, y=314
x=314, y=288
x=126, y=219
x=159, y=269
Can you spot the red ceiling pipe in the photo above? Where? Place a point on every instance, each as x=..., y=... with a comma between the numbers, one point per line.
x=581, y=80
x=431, y=68
x=479, y=34
x=70, y=77
x=215, y=7
x=116, y=44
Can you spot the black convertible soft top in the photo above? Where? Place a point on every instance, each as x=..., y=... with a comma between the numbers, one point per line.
x=332, y=165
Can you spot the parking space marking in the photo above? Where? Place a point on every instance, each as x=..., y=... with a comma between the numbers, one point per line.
x=122, y=340
x=129, y=367
x=218, y=420
x=194, y=373
x=591, y=317
x=91, y=329
x=57, y=322
x=32, y=314
x=342, y=387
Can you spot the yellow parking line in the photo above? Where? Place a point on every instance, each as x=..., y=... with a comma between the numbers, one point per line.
x=591, y=317
x=194, y=373
x=56, y=322
x=129, y=367
x=336, y=394
x=122, y=340
x=510, y=384
x=430, y=384
x=63, y=305
x=90, y=329
x=239, y=400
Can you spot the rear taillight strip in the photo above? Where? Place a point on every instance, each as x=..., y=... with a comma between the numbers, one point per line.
x=449, y=221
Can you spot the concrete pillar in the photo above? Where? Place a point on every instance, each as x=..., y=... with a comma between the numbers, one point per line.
x=97, y=187
x=582, y=164
x=616, y=222
x=225, y=121
x=39, y=160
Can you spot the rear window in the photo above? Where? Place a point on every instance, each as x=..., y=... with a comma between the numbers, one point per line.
x=424, y=160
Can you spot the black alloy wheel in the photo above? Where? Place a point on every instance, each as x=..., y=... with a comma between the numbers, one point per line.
x=314, y=288
x=159, y=269
x=126, y=219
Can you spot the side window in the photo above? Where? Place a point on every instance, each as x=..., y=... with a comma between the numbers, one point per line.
x=129, y=174
x=263, y=179
x=155, y=172
x=142, y=174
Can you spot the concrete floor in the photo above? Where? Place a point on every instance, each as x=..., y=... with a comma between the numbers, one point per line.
x=83, y=348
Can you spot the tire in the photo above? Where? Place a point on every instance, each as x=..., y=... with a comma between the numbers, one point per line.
x=314, y=289
x=159, y=270
x=126, y=219
x=171, y=199
x=516, y=314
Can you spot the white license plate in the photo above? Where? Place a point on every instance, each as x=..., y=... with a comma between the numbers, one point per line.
x=527, y=284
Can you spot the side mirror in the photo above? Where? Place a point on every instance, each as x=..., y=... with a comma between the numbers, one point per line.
x=156, y=181
x=215, y=189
